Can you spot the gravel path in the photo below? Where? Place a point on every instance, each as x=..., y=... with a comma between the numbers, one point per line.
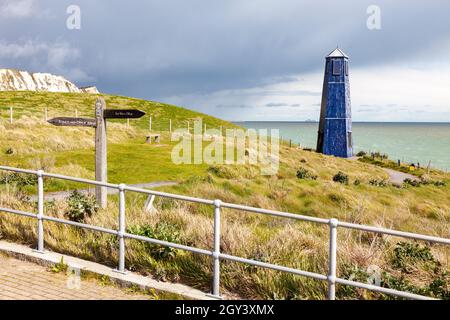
x=398, y=177
x=60, y=195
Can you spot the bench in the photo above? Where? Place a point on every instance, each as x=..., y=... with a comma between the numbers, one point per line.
x=155, y=137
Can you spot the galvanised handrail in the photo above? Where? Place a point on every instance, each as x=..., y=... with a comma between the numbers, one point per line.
x=215, y=253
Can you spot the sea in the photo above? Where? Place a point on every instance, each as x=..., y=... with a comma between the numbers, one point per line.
x=418, y=142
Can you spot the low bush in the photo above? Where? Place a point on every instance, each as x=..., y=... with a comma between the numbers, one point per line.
x=439, y=183
x=378, y=183
x=341, y=178
x=378, y=155
x=412, y=182
x=19, y=179
x=303, y=173
x=361, y=154
x=80, y=206
x=408, y=254
x=162, y=231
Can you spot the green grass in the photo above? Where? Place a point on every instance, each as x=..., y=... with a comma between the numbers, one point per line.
x=64, y=104
x=424, y=209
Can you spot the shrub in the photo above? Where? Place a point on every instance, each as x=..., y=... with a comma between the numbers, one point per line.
x=378, y=183
x=379, y=155
x=303, y=173
x=357, y=182
x=412, y=182
x=361, y=154
x=439, y=183
x=61, y=266
x=80, y=206
x=162, y=231
x=341, y=178
x=20, y=179
x=406, y=254
x=9, y=151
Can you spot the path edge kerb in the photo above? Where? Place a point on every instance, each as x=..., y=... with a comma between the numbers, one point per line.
x=48, y=258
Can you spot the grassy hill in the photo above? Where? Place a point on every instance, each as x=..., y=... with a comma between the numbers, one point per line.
x=304, y=185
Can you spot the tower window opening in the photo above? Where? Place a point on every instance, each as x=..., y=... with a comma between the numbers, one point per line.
x=337, y=66
x=346, y=67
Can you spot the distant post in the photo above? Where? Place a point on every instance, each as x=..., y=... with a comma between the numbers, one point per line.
x=45, y=114
x=170, y=125
x=100, y=153
x=11, y=115
x=150, y=124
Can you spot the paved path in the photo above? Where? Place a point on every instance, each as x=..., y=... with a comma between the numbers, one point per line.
x=398, y=177
x=21, y=280
x=60, y=195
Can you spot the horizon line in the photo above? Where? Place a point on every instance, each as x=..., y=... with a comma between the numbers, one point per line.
x=362, y=121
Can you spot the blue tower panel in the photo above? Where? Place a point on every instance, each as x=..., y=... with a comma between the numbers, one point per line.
x=335, y=127
x=336, y=138
x=336, y=104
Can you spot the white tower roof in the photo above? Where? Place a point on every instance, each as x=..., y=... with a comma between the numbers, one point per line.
x=337, y=53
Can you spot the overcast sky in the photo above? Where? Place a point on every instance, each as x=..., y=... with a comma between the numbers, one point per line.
x=241, y=59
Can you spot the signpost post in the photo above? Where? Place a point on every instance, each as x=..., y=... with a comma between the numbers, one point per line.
x=99, y=123
x=100, y=153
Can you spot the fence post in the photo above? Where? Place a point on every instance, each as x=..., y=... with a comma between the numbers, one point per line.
x=11, y=115
x=150, y=124
x=121, y=233
x=170, y=125
x=216, y=253
x=40, y=215
x=333, y=223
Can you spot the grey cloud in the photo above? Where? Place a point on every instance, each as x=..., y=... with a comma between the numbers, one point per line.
x=275, y=104
x=17, y=8
x=157, y=49
x=227, y=106
x=282, y=104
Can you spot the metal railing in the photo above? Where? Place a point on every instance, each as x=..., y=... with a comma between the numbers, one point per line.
x=215, y=253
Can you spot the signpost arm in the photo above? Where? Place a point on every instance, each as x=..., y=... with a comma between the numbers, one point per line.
x=100, y=153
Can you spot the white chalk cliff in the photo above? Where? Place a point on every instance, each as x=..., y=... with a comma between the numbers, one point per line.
x=15, y=80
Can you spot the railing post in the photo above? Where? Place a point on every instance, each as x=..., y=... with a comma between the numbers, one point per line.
x=121, y=233
x=40, y=215
x=333, y=223
x=216, y=253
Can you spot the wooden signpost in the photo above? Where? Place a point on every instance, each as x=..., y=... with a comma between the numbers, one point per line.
x=122, y=114
x=73, y=122
x=99, y=123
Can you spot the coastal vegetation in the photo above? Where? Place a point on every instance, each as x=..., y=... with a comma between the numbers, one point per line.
x=307, y=183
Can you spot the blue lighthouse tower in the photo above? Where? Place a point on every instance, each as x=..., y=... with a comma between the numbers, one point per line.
x=335, y=126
